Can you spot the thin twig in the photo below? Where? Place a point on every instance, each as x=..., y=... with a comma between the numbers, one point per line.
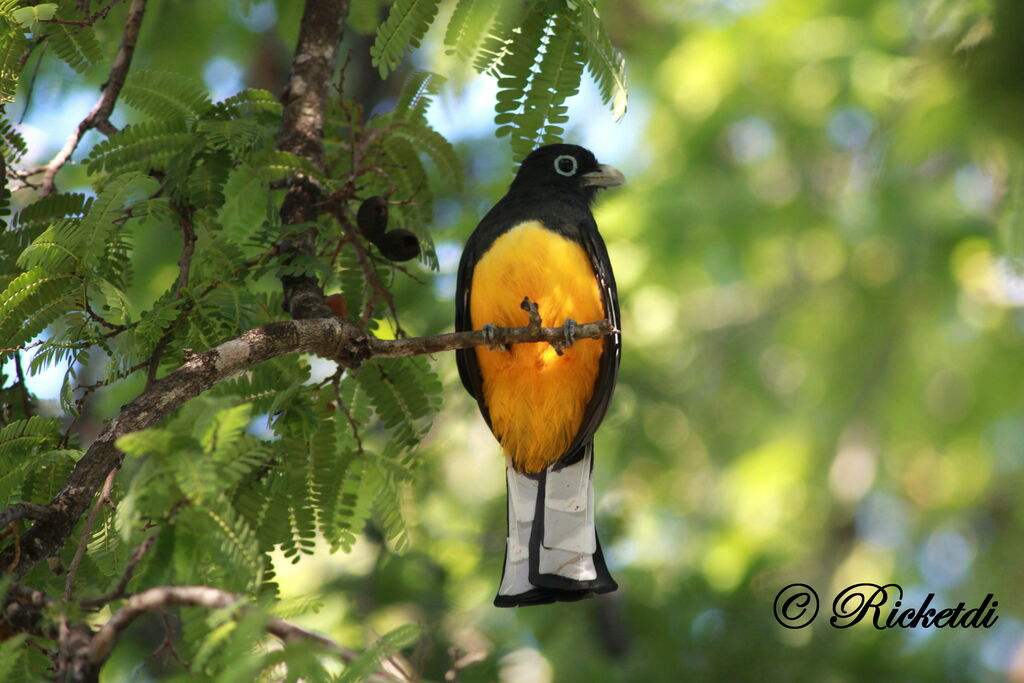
x=99, y=116
x=87, y=390
x=120, y=591
x=96, y=317
x=197, y=596
x=15, y=532
x=26, y=402
x=353, y=425
x=188, y=246
x=395, y=266
x=100, y=14
x=69, y=639
x=69, y=585
x=24, y=347
x=379, y=290
x=168, y=642
x=460, y=663
x=31, y=85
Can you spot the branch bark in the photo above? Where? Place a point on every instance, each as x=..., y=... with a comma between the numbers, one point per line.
x=33, y=511
x=88, y=650
x=194, y=596
x=333, y=338
x=302, y=133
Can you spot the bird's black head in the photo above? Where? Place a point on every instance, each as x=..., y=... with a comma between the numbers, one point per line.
x=566, y=166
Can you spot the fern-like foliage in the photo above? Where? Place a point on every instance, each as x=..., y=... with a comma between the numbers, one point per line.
x=12, y=46
x=165, y=95
x=76, y=46
x=12, y=144
x=405, y=27
x=365, y=665
x=24, y=448
x=25, y=436
x=140, y=146
x=52, y=207
x=538, y=51
x=20, y=663
x=468, y=25
x=604, y=62
x=32, y=301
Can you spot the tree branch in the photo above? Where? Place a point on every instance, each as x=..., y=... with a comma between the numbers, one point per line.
x=302, y=133
x=333, y=338
x=503, y=336
x=195, y=596
x=88, y=650
x=99, y=117
x=39, y=513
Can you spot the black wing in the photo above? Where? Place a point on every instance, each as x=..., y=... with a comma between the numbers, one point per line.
x=608, y=370
x=469, y=371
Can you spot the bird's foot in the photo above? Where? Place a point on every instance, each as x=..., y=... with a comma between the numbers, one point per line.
x=569, y=332
x=489, y=331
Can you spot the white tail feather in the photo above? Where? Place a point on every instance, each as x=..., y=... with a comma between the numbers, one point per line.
x=522, y=501
x=570, y=538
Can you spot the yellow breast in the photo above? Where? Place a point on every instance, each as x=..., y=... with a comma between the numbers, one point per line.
x=536, y=398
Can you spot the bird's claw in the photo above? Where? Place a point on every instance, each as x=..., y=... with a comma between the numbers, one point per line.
x=569, y=332
x=489, y=331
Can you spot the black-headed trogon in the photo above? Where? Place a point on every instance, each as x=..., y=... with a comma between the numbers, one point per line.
x=540, y=241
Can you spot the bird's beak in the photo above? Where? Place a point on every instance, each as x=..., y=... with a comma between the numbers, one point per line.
x=604, y=176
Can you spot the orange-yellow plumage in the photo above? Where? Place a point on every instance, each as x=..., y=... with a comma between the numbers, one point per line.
x=536, y=399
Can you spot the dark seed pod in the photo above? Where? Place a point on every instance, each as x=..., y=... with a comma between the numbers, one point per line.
x=399, y=245
x=373, y=218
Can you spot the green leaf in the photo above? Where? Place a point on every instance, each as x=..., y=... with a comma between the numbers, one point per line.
x=75, y=45
x=165, y=95
x=26, y=16
x=48, y=475
x=141, y=146
x=249, y=102
x=54, y=206
x=467, y=26
x=12, y=46
x=12, y=143
x=245, y=203
x=276, y=165
x=22, y=437
x=117, y=307
x=11, y=651
x=32, y=301
x=369, y=661
x=405, y=27
x=79, y=245
x=604, y=62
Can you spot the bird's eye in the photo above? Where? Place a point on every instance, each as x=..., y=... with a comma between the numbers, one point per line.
x=565, y=165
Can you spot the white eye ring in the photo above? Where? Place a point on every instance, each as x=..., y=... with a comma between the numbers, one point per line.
x=558, y=165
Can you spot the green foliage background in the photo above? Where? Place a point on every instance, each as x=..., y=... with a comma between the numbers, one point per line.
x=818, y=257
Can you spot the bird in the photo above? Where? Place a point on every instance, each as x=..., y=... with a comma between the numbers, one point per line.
x=544, y=402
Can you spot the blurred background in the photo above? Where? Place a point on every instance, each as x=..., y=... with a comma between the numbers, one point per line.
x=819, y=263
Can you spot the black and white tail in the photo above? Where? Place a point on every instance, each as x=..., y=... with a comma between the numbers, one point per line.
x=552, y=552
